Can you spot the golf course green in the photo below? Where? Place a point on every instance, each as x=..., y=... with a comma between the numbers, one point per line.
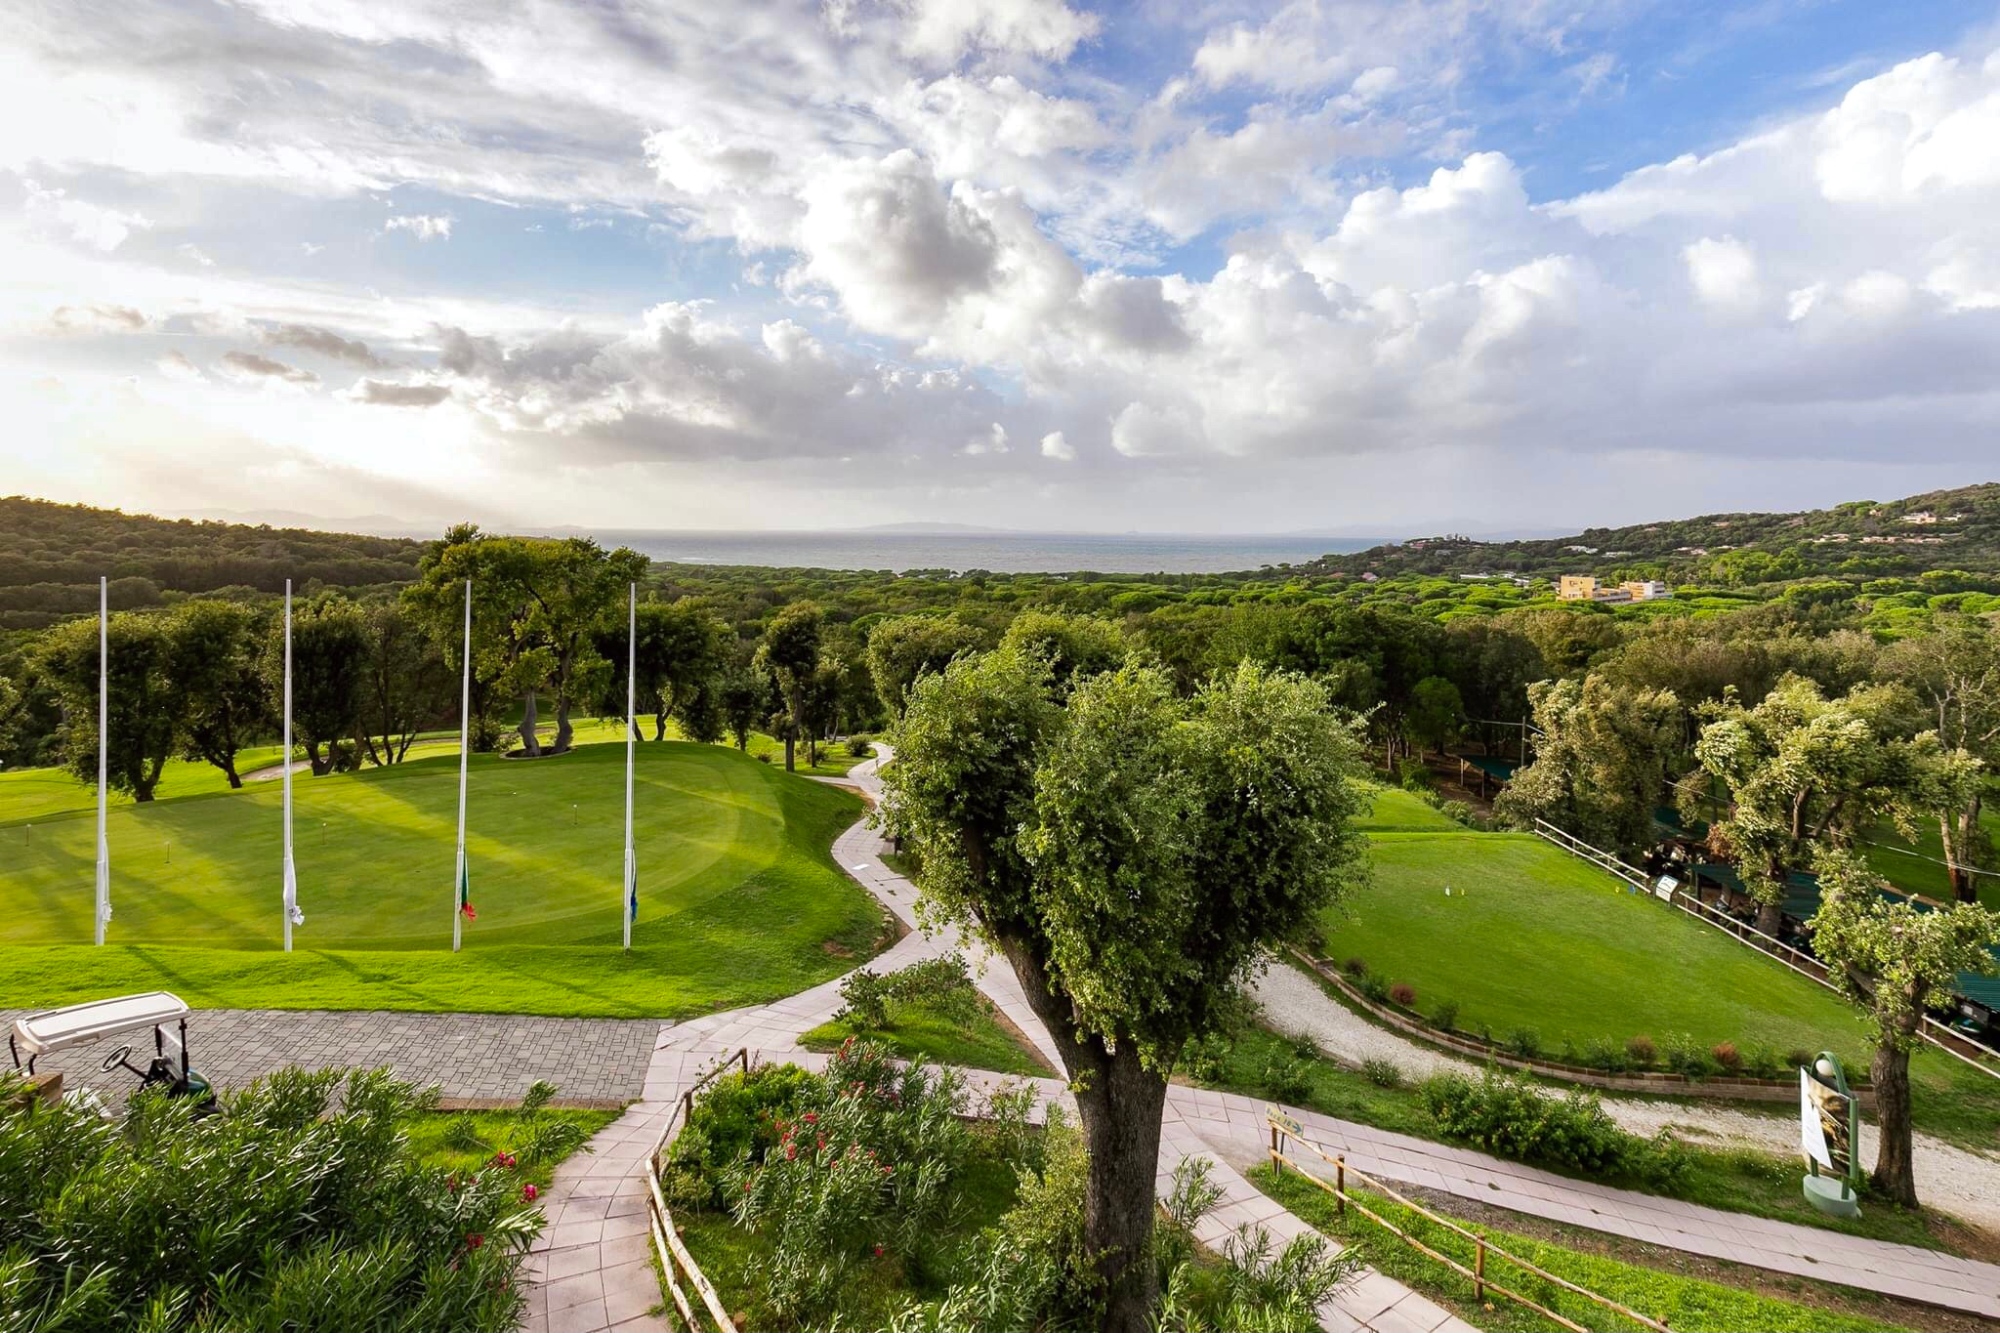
x=739, y=900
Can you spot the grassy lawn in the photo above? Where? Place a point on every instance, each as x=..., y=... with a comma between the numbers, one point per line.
x=431, y=1138
x=834, y=760
x=1394, y=810
x=916, y=1029
x=31, y=794
x=739, y=900
x=1683, y=1302
x=1742, y=1182
x=1530, y=937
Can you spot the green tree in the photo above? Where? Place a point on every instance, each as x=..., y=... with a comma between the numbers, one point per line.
x=790, y=653
x=1130, y=853
x=1803, y=774
x=682, y=646
x=406, y=684
x=1894, y=960
x=13, y=710
x=1955, y=673
x=1074, y=647
x=1435, y=714
x=329, y=668
x=902, y=648
x=740, y=700
x=145, y=708
x=215, y=667
x=1603, y=760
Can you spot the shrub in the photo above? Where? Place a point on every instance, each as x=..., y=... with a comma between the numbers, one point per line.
x=1304, y=1045
x=1375, y=988
x=1403, y=995
x=1606, y=1055
x=1525, y=1042
x=1355, y=967
x=943, y=985
x=864, y=1000
x=1726, y=1055
x=1799, y=1057
x=1642, y=1050
x=1206, y=1059
x=1288, y=1080
x=1413, y=775
x=1512, y=1118
x=1382, y=1073
x=1444, y=1015
x=1763, y=1062
x=301, y=1206
x=763, y=758
x=1684, y=1057
x=538, y=1094
x=860, y=747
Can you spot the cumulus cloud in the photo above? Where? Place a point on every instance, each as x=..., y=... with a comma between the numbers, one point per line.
x=250, y=368
x=96, y=319
x=943, y=30
x=176, y=366
x=1724, y=273
x=423, y=226
x=324, y=341
x=380, y=393
x=1056, y=447
x=88, y=224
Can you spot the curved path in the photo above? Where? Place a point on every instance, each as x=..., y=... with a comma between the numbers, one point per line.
x=591, y=1270
x=1955, y=1180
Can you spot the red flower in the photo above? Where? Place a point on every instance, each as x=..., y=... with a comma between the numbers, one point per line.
x=878, y=1251
x=822, y=1144
x=474, y=1241
x=811, y=1117
x=791, y=1152
x=529, y=1192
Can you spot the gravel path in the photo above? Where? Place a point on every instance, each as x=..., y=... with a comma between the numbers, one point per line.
x=1953, y=1180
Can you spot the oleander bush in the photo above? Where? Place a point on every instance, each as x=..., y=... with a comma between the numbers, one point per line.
x=299, y=1206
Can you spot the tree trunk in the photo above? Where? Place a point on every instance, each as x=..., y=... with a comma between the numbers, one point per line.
x=1119, y=1104
x=320, y=765
x=659, y=726
x=1957, y=849
x=229, y=771
x=529, y=741
x=1770, y=918
x=791, y=738
x=1895, y=1175
x=563, y=729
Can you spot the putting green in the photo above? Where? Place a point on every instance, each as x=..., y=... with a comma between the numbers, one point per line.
x=738, y=897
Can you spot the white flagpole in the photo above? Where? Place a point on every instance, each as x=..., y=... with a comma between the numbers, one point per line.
x=103, y=751
x=625, y=905
x=464, y=751
x=291, y=875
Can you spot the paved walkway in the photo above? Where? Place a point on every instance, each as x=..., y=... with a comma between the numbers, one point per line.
x=472, y=1058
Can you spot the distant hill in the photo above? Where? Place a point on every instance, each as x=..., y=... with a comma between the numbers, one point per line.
x=1854, y=542
x=51, y=556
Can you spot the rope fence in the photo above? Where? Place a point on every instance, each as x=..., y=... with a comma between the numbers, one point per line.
x=672, y=1251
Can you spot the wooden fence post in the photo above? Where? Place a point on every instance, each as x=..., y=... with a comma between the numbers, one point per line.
x=1340, y=1184
x=1479, y=1270
x=1277, y=1157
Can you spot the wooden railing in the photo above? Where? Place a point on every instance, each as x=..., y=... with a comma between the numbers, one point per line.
x=1284, y=1129
x=675, y=1261
x=1597, y=856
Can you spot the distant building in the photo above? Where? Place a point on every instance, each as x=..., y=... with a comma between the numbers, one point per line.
x=1921, y=516
x=1586, y=588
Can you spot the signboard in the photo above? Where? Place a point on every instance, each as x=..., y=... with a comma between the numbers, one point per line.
x=1281, y=1121
x=1826, y=1123
x=1664, y=886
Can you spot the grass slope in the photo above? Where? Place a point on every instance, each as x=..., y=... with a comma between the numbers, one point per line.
x=1531, y=937
x=919, y=1030
x=739, y=900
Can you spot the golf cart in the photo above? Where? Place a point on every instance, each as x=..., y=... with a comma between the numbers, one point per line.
x=85, y=1024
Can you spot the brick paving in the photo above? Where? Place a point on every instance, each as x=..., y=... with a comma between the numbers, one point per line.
x=472, y=1058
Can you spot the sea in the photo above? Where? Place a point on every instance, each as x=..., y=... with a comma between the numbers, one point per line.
x=996, y=552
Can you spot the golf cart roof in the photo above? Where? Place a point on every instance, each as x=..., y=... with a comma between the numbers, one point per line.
x=78, y=1024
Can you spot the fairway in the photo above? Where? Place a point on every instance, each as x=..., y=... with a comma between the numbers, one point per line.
x=738, y=898
x=1533, y=938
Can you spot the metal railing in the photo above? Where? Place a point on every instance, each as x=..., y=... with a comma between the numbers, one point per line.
x=1597, y=856
x=1284, y=1128
x=673, y=1252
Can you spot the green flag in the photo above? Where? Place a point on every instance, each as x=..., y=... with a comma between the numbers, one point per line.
x=465, y=889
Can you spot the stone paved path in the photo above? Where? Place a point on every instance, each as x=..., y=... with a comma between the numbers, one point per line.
x=471, y=1057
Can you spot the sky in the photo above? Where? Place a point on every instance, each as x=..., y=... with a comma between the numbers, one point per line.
x=1217, y=266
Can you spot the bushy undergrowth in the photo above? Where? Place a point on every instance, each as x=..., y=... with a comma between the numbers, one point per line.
x=280, y=1213
x=1512, y=1118
x=944, y=985
x=855, y=1184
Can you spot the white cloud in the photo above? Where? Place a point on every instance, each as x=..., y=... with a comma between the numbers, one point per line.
x=1056, y=447
x=945, y=29
x=87, y=224
x=423, y=226
x=176, y=366
x=1724, y=273
x=250, y=368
